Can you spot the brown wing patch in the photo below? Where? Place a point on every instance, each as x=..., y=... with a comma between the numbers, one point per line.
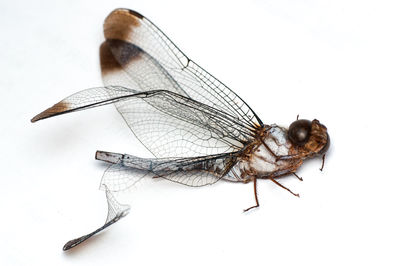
x=57, y=109
x=107, y=60
x=115, y=54
x=120, y=24
x=124, y=52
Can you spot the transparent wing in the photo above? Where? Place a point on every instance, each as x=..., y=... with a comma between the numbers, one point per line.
x=85, y=99
x=137, y=55
x=202, y=117
x=167, y=122
x=130, y=27
x=126, y=170
x=116, y=211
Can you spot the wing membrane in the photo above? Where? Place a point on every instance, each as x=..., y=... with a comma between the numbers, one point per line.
x=85, y=99
x=126, y=170
x=138, y=55
x=167, y=122
x=116, y=211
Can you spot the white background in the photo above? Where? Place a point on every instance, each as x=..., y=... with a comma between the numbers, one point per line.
x=337, y=61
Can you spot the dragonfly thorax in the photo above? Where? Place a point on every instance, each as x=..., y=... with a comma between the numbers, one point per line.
x=261, y=158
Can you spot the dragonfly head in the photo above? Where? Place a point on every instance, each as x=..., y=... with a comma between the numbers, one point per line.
x=309, y=137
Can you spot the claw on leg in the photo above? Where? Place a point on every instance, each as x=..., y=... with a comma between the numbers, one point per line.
x=298, y=177
x=252, y=207
x=282, y=186
x=255, y=196
x=323, y=162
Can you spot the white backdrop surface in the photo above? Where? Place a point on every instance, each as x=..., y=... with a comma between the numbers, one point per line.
x=337, y=61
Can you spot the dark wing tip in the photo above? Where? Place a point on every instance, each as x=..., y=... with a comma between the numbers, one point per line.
x=70, y=244
x=128, y=11
x=74, y=242
x=38, y=117
x=135, y=13
x=120, y=24
x=56, y=109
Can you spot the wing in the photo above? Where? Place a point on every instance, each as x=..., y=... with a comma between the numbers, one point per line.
x=126, y=170
x=137, y=34
x=116, y=211
x=201, y=116
x=85, y=99
x=138, y=55
x=164, y=120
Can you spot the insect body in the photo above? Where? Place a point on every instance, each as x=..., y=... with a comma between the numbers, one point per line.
x=198, y=129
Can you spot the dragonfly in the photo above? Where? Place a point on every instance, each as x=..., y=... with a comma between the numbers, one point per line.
x=197, y=128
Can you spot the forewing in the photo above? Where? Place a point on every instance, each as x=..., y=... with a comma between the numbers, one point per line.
x=169, y=124
x=138, y=55
x=86, y=99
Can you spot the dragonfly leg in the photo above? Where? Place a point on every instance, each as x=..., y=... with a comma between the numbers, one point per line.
x=298, y=177
x=270, y=151
x=288, y=157
x=280, y=157
x=323, y=162
x=255, y=196
x=282, y=186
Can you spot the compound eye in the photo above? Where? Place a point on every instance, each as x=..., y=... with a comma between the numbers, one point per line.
x=300, y=131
